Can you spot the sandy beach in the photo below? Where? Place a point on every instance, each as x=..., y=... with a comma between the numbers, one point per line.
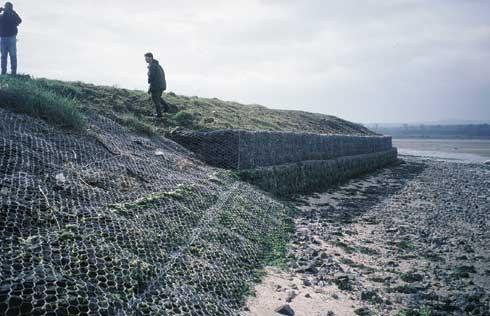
x=412, y=239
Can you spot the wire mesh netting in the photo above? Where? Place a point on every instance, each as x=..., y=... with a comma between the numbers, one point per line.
x=241, y=149
x=110, y=223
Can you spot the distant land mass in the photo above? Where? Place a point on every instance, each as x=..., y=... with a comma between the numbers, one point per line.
x=449, y=131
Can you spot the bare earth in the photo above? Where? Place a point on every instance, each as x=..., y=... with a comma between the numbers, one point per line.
x=410, y=240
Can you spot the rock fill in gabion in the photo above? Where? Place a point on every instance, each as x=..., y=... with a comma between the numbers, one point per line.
x=109, y=223
x=286, y=163
x=241, y=149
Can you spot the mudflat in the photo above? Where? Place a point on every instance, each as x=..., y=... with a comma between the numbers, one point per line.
x=469, y=150
x=412, y=239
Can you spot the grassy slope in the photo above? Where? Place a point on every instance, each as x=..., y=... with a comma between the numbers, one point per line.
x=31, y=97
x=133, y=108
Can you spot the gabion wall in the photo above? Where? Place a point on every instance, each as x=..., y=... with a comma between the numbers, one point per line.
x=314, y=175
x=217, y=148
x=109, y=223
x=236, y=149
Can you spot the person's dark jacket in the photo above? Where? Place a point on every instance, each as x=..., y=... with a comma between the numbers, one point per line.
x=156, y=77
x=9, y=20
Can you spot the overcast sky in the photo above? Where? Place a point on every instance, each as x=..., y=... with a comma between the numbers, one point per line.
x=362, y=60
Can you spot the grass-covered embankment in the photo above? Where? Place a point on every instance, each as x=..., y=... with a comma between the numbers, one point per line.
x=134, y=109
x=31, y=97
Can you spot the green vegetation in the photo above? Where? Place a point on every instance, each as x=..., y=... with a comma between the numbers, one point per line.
x=63, y=88
x=278, y=241
x=135, y=124
x=406, y=245
x=275, y=242
x=415, y=312
x=184, y=118
x=151, y=200
x=62, y=102
x=23, y=95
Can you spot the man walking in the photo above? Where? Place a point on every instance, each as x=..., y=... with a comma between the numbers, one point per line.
x=9, y=21
x=156, y=79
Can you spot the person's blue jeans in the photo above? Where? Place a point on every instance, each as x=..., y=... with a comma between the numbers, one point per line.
x=8, y=47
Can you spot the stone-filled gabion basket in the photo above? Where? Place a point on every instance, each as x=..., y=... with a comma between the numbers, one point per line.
x=239, y=149
x=315, y=175
x=287, y=163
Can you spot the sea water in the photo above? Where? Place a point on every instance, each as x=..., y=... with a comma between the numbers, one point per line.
x=464, y=150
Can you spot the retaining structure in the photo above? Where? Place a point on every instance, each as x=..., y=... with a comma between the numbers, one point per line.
x=315, y=175
x=286, y=162
x=237, y=149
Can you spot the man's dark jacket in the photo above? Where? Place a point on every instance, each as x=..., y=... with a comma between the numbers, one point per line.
x=9, y=21
x=156, y=77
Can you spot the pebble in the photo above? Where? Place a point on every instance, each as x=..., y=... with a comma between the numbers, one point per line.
x=285, y=310
x=291, y=294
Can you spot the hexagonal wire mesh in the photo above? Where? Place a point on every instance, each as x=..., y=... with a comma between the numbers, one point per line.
x=109, y=223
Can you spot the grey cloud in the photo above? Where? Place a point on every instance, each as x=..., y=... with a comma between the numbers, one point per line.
x=375, y=60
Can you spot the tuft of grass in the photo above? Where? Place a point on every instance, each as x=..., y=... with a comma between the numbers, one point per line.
x=183, y=118
x=406, y=245
x=135, y=124
x=24, y=95
x=63, y=88
x=424, y=311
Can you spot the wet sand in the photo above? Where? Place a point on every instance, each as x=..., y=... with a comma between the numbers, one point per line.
x=411, y=239
x=463, y=150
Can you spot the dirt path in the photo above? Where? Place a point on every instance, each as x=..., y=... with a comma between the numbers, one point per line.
x=410, y=240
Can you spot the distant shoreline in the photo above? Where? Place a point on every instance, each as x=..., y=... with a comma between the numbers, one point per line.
x=463, y=150
x=463, y=131
x=440, y=138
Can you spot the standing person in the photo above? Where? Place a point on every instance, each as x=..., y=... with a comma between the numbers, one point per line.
x=156, y=79
x=9, y=21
